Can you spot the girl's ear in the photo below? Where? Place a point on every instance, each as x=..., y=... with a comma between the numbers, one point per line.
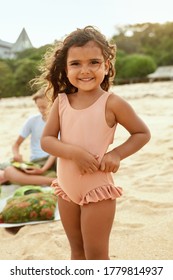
x=107, y=65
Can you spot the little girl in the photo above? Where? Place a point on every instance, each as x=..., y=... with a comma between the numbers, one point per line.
x=79, y=73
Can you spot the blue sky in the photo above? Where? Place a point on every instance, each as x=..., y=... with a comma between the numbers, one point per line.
x=47, y=20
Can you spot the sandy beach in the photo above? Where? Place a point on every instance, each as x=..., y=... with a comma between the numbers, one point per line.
x=143, y=225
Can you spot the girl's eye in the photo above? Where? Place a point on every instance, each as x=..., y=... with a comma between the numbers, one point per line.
x=95, y=62
x=95, y=65
x=74, y=64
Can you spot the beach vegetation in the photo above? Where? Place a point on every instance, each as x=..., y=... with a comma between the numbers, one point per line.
x=134, y=67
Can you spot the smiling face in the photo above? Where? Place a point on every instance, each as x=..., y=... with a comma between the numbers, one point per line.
x=86, y=67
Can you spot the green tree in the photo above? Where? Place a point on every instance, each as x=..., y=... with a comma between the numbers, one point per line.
x=119, y=65
x=135, y=67
x=34, y=53
x=153, y=39
x=6, y=79
x=26, y=69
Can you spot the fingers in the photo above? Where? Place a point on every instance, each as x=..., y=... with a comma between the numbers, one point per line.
x=102, y=166
x=29, y=171
x=93, y=165
x=32, y=171
x=109, y=163
x=115, y=169
x=56, y=190
x=88, y=163
x=19, y=159
x=108, y=167
x=96, y=157
x=91, y=168
x=55, y=187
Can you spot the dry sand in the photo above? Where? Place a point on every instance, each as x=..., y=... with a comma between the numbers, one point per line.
x=143, y=226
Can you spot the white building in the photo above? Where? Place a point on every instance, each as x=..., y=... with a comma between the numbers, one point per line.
x=162, y=73
x=9, y=50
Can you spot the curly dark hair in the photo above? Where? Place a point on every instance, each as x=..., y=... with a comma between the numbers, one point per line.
x=55, y=60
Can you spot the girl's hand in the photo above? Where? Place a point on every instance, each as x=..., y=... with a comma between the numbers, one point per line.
x=110, y=162
x=55, y=187
x=86, y=162
x=18, y=158
x=34, y=171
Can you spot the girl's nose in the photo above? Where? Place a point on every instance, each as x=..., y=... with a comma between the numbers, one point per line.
x=85, y=69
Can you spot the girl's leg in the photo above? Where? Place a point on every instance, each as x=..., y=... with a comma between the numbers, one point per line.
x=14, y=175
x=70, y=214
x=2, y=177
x=96, y=223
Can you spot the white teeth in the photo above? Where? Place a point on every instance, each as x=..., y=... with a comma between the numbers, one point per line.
x=86, y=79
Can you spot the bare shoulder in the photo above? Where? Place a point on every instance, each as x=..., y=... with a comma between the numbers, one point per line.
x=53, y=111
x=52, y=123
x=56, y=101
x=115, y=107
x=125, y=114
x=117, y=102
x=55, y=104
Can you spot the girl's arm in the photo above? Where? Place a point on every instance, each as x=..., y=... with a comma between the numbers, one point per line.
x=16, y=149
x=40, y=170
x=124, y=114
x=48, y=164
x=50, y=143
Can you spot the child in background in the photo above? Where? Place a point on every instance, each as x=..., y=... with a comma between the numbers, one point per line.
x=34, y=127
x=79, y=71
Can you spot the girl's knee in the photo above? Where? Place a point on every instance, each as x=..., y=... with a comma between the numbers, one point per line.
x=96, y=251
x=77, y=252
x=78, y=255
x=96, y=254
x=8, y=171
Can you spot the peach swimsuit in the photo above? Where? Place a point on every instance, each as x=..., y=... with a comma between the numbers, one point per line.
x=88, y=129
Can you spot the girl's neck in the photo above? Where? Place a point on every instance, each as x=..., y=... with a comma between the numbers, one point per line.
x=82, y=100
x=90, y=94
